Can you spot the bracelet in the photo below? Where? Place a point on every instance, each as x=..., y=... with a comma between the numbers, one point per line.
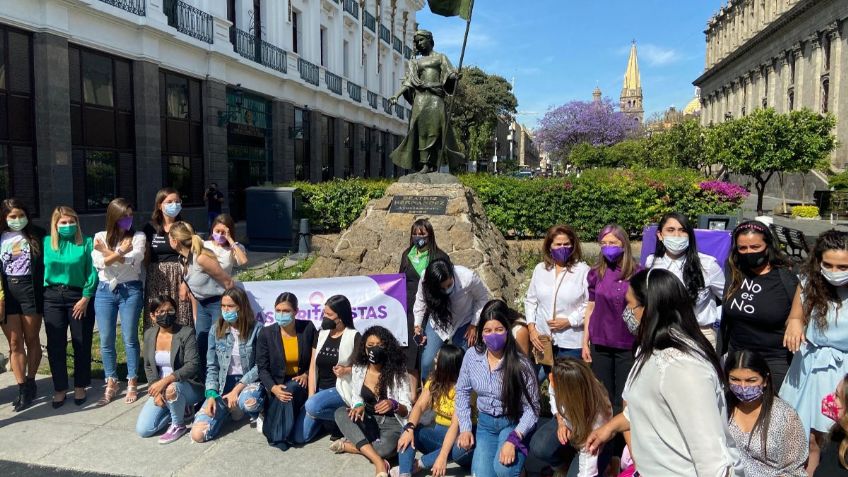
x=409, y=427
x=358, y=405
x=395, y=405
x=516, y=441
x=211, y=393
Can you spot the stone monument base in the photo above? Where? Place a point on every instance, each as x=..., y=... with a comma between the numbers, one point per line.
x=374, y=242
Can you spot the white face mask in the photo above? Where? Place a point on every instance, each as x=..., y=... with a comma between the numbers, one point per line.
x=836, y=279
x=676, y=245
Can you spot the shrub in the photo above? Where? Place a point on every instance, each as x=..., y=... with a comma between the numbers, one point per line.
x=334, y=205
x=805, y=211
x=839, y=181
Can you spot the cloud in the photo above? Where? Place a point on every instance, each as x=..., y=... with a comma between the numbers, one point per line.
x=654, y=55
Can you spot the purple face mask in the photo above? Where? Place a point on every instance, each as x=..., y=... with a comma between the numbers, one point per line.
x=125, y=223
x=612, y=252
x=746, y=393
x=560, y=255
x=495, y=341
x=219, y=238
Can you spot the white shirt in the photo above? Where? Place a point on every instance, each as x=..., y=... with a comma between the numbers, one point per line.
x=706, y=310
x=235, y=358
x=466, y=302
x=571, y=299
x=224, y=255
x=118, y=272
x=587, y=463
x=678, y=418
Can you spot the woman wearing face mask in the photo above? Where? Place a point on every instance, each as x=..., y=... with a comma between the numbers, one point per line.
x=164, y=273
x=377, y=399
x=447, y=307
x=766, y=429
x=283, y=351
x=677, y=252
x=820, y=334
x=332, y=355
x=70, y=281
x=413, y=261
x=760, y=295
x=834, y=453
x=232, y=378
x=556, y=298
x=222, y=242
x=507, y=398
x=172, y=367
x=22, y=268
x=118, y=255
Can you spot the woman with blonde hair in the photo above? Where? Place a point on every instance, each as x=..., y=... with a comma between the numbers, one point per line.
x=118, y=255
x=70, y=281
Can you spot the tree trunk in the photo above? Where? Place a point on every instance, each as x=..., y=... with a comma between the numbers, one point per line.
x=761, y=187
x=780, y=178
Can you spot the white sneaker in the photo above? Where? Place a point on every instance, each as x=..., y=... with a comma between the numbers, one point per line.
x=259, y=423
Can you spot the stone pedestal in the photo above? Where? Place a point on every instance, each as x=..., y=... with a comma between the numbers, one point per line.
x=374, y=242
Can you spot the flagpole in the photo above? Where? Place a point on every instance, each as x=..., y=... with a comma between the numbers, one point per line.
x=452, y=98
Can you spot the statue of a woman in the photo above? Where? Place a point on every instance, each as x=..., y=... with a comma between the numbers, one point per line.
x=428, y=145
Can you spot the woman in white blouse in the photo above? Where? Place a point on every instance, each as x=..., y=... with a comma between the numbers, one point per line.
x=675, y=403
x=557, y=295
x=221, y=241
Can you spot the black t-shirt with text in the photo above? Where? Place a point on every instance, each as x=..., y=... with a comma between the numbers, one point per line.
x=326, y=358
x=160, y=246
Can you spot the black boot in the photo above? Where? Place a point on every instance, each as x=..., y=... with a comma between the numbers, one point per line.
x=18, y=402
x=26, y=393
x=32, y=389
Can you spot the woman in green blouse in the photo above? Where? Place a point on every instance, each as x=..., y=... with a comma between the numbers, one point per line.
x=70, y=280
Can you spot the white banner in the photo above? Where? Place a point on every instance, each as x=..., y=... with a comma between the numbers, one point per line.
x=375, y=300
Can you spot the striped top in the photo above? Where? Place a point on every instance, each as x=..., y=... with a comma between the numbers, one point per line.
x=476, y=376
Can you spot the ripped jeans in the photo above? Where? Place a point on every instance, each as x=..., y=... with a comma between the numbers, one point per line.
x=153, y=419
x=250, y=402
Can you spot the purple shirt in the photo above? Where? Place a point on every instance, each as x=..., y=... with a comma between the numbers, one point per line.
x=606, y=327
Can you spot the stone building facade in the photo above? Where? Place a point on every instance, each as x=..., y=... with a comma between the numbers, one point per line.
x=784, y=54
x=631, y=99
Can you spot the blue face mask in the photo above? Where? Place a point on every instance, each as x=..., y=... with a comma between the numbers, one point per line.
x=173, y=209
x=230, y=316
x=283, y=319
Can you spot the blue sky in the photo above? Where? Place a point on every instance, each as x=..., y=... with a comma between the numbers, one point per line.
x=559, y=50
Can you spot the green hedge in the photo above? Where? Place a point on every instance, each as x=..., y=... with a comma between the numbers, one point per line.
x=527, y=207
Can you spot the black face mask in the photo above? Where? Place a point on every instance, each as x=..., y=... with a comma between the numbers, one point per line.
x=328, y=324
x=377, y=355
x=750, y=261
x=166, y=320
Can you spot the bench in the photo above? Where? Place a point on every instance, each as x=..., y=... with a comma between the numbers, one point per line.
x=792, y=241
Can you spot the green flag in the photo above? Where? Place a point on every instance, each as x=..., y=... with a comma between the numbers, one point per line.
x=451, y=8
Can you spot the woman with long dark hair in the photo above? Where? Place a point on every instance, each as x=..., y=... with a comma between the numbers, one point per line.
x=760, y=296
x=819, y=337
x=834, y=453
x=677, y=252
x=377, y=399
x=766, y=429
x=22, y=269
x=447, y=308
x=223, y=243
x=675, y=404
x=507, y=398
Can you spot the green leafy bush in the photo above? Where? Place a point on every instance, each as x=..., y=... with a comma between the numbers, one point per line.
x=839, y=181
x=334, y=205
x=805, y=211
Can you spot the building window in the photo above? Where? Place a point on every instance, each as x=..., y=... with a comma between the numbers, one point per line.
x=367, y=143
x=328, y=134
x=323, y=46
x=301, y=144
x=181, y=119
x=382, y=142
x=102, y=129
x=295, y=21
x=349, y=149
x=825, y=95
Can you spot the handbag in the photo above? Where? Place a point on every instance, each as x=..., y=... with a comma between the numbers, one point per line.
x=545, y=357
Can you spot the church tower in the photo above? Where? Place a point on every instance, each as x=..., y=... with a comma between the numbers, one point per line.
x=631, y=92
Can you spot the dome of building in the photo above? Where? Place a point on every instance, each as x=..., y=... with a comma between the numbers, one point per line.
x=694, y=106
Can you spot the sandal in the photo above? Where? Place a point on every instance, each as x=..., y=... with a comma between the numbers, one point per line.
x=132, y=391
x=338, y=446
x=109, y=394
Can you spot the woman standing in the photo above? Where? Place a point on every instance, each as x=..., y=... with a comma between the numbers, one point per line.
x=222, y=242
x=164, y=273
x=821, y=336
x=70, y=281
x=507, y=399
x=447, y=308
x=761, y=295
x=118, y=255
x=378, y=401
x=766, y=429
x=556, y=298
x=676, y=386
x=677, y=252
x=413, y=261
x=283, y=351
x=21, y=257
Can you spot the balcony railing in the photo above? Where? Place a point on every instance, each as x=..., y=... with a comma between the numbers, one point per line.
x=189, y=20
x=258, y=50
x=132, y=6
x=370, y=21
x=352, y=7
x=399, y=110
x=334, y=82
x=407, y=52
x=308, y=71
x=385, y=34
x=397, y=44
x=372, y=99
x=354, y=91
x=387, y=106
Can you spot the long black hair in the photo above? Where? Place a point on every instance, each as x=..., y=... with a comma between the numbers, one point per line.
x=693, y=275
x=446, y=371
x=752, y=360
x=516, y=377
x=431, y=247
x=776, y=258
x=393, y=373
x=30, y=232
x=819, y=294
x=341, y=306
x=668, y=320
x=437, y=302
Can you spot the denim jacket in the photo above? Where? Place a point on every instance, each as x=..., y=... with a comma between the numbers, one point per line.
x=220, y=352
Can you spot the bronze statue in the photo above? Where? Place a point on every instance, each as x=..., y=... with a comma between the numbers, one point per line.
x=429, y=143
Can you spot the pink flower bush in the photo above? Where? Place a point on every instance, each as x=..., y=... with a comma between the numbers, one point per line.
x=726, y=191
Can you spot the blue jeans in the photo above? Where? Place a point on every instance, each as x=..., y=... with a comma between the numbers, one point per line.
x=434, y=344
x=250, y=402
x=545, y=447
x=576, y=353
x=208, y=311
x=491, y=434
x=292, y=412
x=320, y=407
x=125, y=300
x=428, y=441
x=153, y=418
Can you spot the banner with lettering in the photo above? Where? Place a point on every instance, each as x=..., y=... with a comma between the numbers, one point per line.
x=375, y=300
x=710, y=242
